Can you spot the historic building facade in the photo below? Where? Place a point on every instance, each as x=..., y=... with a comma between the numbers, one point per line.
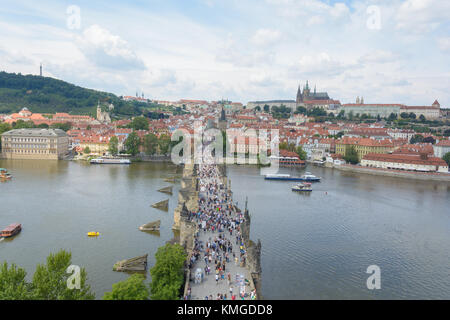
x=49, y=144
x=306, y=95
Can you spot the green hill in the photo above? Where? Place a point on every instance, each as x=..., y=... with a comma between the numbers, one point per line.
x=48, y=95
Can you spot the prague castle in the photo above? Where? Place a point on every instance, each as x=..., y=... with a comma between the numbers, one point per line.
x=304, y=98
x=307, y=95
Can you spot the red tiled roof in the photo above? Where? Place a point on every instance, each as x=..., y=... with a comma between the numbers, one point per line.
x=401, y=158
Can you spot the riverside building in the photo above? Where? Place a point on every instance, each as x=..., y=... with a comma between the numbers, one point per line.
x=48, y=144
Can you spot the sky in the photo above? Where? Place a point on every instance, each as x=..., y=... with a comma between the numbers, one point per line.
x=387, y=51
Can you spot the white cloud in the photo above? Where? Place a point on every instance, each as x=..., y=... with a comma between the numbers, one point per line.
x=240, y=56
x=444, y=44
x=107, y=50
x=265, y=37
x=379, y=56
x=421, y=16
x=322, y=65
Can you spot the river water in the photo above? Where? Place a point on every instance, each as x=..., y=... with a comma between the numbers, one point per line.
x=315, y=246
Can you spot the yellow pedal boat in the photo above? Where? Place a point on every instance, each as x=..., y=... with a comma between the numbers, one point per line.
x=93, y=234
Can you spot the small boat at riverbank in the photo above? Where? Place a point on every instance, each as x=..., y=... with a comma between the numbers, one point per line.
x=11, y=230
x=4, y=174
x=302, y=187
x=110, y=161
x=307, y=177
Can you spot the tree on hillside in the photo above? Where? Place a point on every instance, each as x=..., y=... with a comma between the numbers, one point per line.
x=134, y=288
x=132, y=143
x=422, y=118
x=150, y=144
x=139, y=123
x=164, y=143
x=404, y=115
x=301, y=153
x=392, y=116
x=168, y=272
x=301, y=110
x=429, y=140
x=417, y=138
x=66, y=126
x=446, y=158
x=22, y=124
x=113, y=145
x=351, y=156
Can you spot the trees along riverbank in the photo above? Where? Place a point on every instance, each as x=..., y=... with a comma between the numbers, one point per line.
x=51, y=281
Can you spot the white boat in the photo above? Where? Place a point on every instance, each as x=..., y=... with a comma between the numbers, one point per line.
x=308, y=176
x=302, y=187
x=110, y=161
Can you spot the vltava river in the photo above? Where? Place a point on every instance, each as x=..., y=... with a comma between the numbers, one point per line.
x=315, y=246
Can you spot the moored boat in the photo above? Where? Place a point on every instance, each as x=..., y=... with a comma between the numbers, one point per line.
x=11, y=230
x=93, y=234
x=302, y=187
x=308, y=177
x=4, y=174
x=110, y=161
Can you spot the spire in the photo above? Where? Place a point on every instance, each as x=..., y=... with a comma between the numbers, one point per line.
x=299, y=95
x=314, y=89
x=307, y=86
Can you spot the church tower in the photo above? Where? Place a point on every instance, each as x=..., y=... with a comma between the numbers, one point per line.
x=299, y=96
x=222, y=121
x=99, y=112
x=306, y=92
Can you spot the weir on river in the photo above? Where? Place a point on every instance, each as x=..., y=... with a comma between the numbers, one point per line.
x=222, y=260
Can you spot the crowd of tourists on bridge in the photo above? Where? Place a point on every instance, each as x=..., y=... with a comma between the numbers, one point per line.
x=218, y=217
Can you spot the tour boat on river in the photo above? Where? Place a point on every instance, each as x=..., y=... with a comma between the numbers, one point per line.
x=308, y=177
x=110, y=161
x=11, y=230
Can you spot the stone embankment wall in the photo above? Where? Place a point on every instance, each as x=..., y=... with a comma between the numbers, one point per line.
x=394, y=173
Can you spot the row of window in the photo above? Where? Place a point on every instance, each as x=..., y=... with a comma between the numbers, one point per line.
x=28, y=146
x=30, y=151
x=29, y=140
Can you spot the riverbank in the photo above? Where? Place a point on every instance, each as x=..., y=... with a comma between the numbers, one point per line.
x=428, y=176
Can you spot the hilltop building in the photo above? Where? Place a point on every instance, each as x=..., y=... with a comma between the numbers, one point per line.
x=305, y=98
x=384, y=110
x=307, y=95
